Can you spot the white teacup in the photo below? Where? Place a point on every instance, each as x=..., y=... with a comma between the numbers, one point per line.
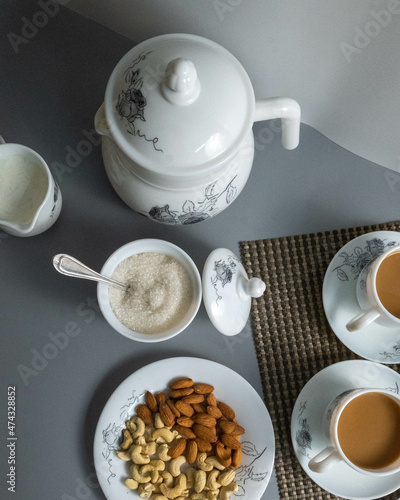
x=372, y=308
x=356, y=433
x=30, y=199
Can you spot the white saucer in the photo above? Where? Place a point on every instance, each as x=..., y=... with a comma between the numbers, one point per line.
x=306, y=427
x=373, y=342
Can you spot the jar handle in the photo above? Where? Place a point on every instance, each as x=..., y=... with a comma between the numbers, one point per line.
x=288, y=110
x=100, y=122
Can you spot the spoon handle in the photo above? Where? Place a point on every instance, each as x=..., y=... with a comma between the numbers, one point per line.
x=65, y=264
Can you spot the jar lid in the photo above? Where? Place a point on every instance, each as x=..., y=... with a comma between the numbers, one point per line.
x=179, y=104
x=227, y=291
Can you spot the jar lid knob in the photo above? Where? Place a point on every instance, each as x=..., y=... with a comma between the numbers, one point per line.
x=181, y=85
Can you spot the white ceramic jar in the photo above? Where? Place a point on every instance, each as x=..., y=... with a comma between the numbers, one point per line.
x=177, y=124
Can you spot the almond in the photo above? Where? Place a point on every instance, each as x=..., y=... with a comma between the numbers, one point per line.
x=191, y=452
x=185, y=421
x=205, y=433
x=236, y=458
x=203, y=388
x=222, y=453
x=177, y=448
x=226, y=410
x=181, y=383
x=166, y=414
x=205, y=419
x=211, y=400
x=214, y=411
x=151, y=401
x=239, y=430
x=226, y=426
x=173, y=408
x=199, y=407
x=184, y=408
x=230, y=442
x=193, y=398
x=160, y=397
x=203, y=446
x=145, y=414
x=185, y=431
x=179, y=393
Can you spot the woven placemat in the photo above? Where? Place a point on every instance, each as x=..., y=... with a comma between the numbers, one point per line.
x=292, y=337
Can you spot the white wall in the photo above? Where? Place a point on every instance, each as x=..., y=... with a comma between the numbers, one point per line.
x=339, y=58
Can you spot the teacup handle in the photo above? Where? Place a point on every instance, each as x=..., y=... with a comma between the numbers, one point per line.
x=325, y=459
x=2, y=141
x=362, y=319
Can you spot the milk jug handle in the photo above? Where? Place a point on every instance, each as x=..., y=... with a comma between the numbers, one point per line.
x=362, y=319
x=289, y=112
x=326, y=459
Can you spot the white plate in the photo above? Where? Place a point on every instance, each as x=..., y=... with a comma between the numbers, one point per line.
x=373, y=342
x=308, y=438
x=258, y=442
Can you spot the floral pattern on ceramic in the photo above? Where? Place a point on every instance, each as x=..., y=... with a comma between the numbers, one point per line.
x=192, y=212
x=394, y=354
x=353, y=263
x=224, y=271
x=303, y=434
x=131, y=102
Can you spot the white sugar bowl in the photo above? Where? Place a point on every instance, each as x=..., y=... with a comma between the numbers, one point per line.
x=177, y=125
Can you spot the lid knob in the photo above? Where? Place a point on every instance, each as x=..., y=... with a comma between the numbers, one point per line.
x=181, y=85
x=253, y=287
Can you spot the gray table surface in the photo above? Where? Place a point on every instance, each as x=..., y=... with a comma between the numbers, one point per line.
x=51, y=86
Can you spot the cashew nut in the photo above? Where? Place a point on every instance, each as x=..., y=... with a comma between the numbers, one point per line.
x=157, y=464
x=150, y=448
x=190, y=477
x=167, y=477
x=226, y=477
x=131, y=484
x=198, y=496
x=177, y=490
x=212, y=483
x=137, y=476
x=135, y=426
x=225, y=491
x=163, y=435
x=200, y=478
x=138, y=457
x=212, y=494
x=159, y=497
x=158, y=423
x=124, y=455
x=148, y=433
x=213, y=462
x=162, y=452
x=175, y=465
x=141, y=441
x=146, y=490
x=150, y=470
x=201, y=462
x=128, y=441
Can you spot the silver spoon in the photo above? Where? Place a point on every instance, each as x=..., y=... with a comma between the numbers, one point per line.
x=65, y=264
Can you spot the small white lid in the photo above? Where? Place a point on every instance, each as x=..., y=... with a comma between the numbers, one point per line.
x=227, y=291
x=179, y=105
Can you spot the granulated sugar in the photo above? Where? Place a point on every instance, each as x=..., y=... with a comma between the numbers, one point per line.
x=160, y=295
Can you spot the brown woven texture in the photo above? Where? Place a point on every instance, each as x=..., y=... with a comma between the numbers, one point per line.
x=292, y=337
